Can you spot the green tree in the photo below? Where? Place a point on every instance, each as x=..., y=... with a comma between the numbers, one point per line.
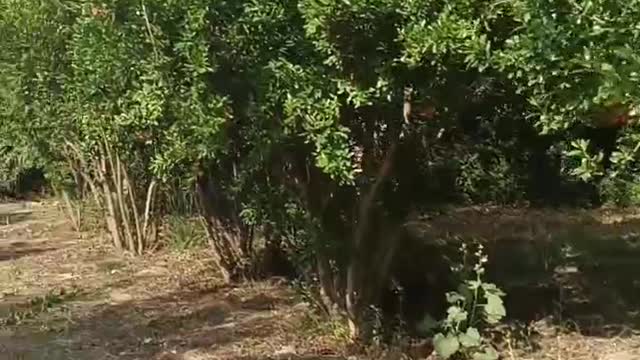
x=310, y=127
x=577, y=64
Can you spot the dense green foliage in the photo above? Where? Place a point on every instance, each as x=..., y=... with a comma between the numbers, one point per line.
x=316, y=128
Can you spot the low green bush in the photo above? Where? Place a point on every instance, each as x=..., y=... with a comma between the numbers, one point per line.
x=184, y=233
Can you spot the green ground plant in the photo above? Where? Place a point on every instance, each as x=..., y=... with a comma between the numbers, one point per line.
x=474, y=307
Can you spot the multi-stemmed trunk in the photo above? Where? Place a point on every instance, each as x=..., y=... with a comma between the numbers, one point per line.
x=228, y=237
x=129, y=218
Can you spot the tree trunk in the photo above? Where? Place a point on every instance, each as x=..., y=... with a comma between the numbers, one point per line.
x=360, y=291
x=367, y=270
x=227, y=236
x=111, y=213
x=73, y=212
x=328, y=292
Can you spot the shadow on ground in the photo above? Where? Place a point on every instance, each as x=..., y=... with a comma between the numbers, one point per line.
x=14, y=212
x=581, y=269
x=232, y=323
x=16, y=239
x=13, y=252
x=6, y=220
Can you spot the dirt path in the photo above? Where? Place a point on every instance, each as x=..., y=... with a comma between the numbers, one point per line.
x=65, y=296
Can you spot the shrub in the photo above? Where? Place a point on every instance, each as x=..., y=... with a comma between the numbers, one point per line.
x=475, y=306
x=620, y=192
x=323, y=104
x=184, y=233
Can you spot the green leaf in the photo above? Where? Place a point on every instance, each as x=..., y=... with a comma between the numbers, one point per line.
x=470, y=338
x=494, y=309
x=446, y=346
x=492, y=289
x=607, y=67
x=456, y=315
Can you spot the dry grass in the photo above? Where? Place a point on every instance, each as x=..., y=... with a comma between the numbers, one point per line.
x=165, y=305
x=171, y=305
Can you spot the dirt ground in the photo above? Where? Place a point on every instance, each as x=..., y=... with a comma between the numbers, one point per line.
x=572, y=277
x=66, y=296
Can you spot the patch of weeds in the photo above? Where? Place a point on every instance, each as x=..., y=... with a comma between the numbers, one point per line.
x=309, y=294
x=61, y=323
x=523, y=337
x=37, y=306
x=93, y=219
x=318, y=321
x=314, y=325
x=184, y=233
x=474, y=307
